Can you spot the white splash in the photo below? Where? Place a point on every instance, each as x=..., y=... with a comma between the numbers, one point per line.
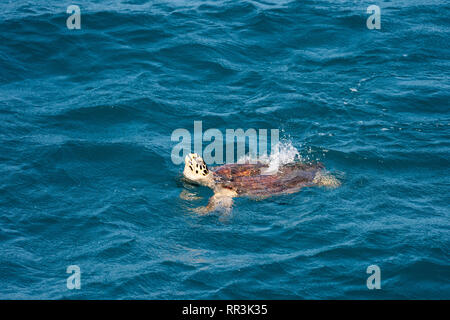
x=283, y=153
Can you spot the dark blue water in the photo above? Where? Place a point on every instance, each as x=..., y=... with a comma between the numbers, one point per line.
x=87, y=178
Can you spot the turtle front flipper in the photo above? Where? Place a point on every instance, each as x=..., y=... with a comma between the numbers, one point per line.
x=222, y=200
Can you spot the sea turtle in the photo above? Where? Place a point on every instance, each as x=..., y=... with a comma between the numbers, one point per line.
x=252, y=180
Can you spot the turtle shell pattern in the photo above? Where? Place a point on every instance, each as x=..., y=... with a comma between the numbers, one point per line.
x=248, y=179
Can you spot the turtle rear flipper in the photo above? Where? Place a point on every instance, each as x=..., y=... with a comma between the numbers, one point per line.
x=326, y=180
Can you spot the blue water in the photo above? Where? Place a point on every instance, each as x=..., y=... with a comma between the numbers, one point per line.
x=87, y=178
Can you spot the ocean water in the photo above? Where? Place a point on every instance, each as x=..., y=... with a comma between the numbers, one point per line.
x=86, y=118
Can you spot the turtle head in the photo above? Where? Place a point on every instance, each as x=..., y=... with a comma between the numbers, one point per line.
x=195, y=169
